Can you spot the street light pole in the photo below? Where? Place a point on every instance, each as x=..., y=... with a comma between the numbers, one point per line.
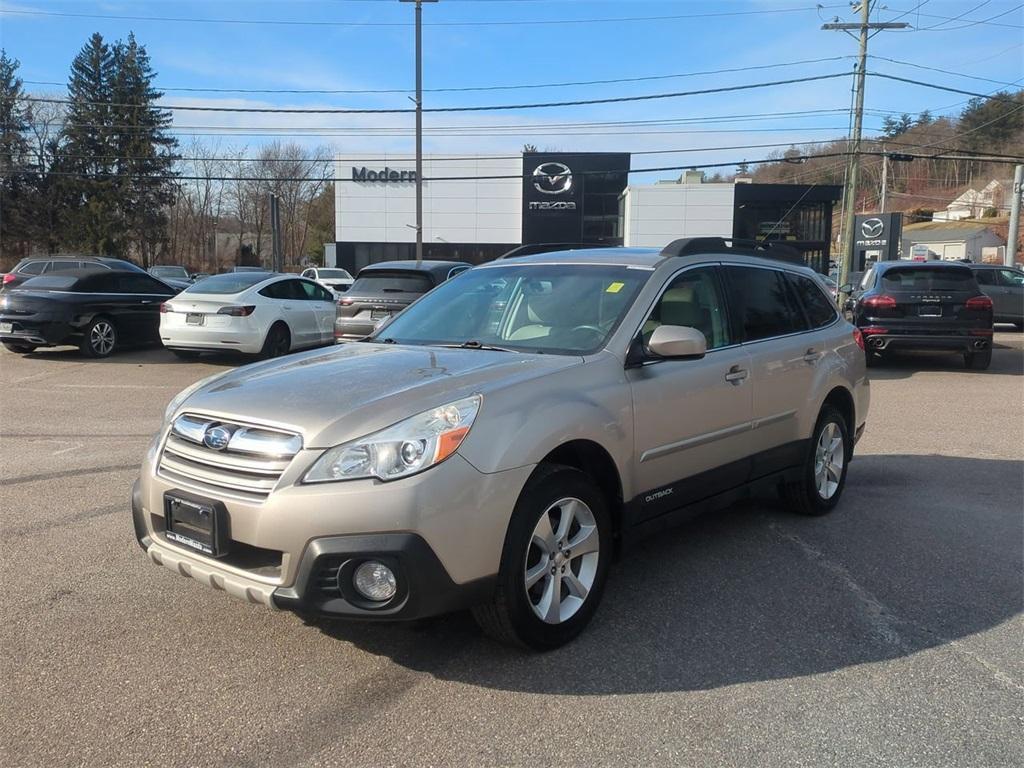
x=419, y=125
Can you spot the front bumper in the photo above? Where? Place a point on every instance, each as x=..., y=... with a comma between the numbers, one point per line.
x=441, y=532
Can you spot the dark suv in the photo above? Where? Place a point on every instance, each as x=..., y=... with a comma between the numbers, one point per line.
x=385, y=289
x=927, y=305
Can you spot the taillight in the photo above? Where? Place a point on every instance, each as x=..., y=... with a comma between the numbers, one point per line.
x=874, y=330
x=10, y=277
x=879, y=302
x=237, y=311
x=346, y=302
x=858, y=337
x=165, y=308
x=979, y=302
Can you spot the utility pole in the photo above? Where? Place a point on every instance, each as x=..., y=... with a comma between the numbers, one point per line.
x=885, y=180
x=419, y=125
x=1010, y=258
x=275, y=234
x=864, y=26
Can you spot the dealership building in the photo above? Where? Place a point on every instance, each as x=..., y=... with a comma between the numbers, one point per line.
x=477, y=207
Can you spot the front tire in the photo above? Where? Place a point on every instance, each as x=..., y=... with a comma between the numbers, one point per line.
x=21, y=349
x=99, y=338
x=823, y=474
x=978, y=361
x=554, y=563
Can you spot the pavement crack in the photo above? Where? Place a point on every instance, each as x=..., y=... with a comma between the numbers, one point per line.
x=68, y=473
x=78, y=517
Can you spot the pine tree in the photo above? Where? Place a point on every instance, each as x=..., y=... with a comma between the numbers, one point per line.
x=15, y=166
x=92, y=221
x=144, y=149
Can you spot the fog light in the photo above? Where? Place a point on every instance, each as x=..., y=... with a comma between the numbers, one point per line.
x=375, y=581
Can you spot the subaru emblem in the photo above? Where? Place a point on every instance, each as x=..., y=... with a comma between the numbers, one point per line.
x=217, y=438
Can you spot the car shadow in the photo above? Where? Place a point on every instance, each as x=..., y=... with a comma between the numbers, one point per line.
x=756, y=593
x=136, y=355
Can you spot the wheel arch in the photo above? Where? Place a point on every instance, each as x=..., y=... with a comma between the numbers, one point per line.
x=594, y=460
x=841, y=399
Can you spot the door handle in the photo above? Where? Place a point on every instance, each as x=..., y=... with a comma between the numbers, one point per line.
x=146, y=301
x=287, y=306
x=811, y=355
x=736, y=375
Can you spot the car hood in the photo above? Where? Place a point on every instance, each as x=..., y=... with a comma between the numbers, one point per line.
x=335, y=395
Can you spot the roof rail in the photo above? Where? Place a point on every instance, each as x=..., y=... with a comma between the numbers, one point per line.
x=531, y=248
x=688, y=246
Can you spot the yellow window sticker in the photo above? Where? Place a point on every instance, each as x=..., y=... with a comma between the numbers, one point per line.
x=614, y=288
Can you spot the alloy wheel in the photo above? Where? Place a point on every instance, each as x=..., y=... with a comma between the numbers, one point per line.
x=102, y=338
x=829, y=459
x=561, y=560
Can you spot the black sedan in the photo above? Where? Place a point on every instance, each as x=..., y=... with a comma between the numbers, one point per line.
x=927, y=305
x=98, y=310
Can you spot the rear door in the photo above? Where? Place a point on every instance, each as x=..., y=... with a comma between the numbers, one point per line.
x=142, y=296
x=783, y=357
x=691, y=417
x=290, y=298
x=321, y=302
x=1010, y=301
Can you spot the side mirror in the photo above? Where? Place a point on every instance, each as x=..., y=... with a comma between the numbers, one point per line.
x=677, y=341
x=846, y=288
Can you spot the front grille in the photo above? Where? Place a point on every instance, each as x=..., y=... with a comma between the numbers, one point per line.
x=248, y=467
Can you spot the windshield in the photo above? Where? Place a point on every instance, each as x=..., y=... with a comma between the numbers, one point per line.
x=334, y=274
x=928, y=279
x=168, y=272
x=568, y=309
x=230, y=282
x=399, y=281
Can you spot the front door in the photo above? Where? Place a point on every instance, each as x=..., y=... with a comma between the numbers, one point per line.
x=1008, y=299
x=321, y=302
x=692, y=417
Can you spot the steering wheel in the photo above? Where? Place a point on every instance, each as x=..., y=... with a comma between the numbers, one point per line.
x=598, y=332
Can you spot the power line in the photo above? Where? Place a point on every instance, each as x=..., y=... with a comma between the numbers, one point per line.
x=957, y=18
x=937, y=87
x=969, y=22
x=486, y=108
x=466, y=89
x=943, y=71
x=401, y=24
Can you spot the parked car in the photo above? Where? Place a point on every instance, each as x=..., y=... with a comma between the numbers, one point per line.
x=385, y=289
x=493, y=443
x=99, y=310
x=171, y=272
x=35, y=266
x=1005, y=286
x=924, y=305
x=337, y=280
x=250, y=312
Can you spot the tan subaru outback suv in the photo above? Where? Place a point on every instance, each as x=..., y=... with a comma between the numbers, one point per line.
x=494, y=444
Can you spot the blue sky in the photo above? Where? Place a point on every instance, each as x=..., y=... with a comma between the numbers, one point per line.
x=471, y=43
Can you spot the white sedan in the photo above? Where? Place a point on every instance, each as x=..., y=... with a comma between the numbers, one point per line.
x=252, y=312
x=333, y=278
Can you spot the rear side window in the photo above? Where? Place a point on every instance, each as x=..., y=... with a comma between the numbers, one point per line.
x=288, y=290
x=927, y=279
x=32, y=268
x=391, y=282
x=63, y=266
x=1011, y=277
x=818, y=307
x=139, y=283
x=985, y=276
x=762, y=304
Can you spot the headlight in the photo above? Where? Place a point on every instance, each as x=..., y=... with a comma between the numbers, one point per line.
x=403, y=449
x=182, y=396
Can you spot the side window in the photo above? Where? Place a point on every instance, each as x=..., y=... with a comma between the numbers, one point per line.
x=818, y=307
x=138, y=283
x=313, y=292
x=288, y=290
x=311, y=274
x=272, y=291
x=985, y=276
x=32, y=268
x=456, y=271
x=63, y=265
x=1011, y=277
x=868, y=279
x=762, y=304
x=693, y=299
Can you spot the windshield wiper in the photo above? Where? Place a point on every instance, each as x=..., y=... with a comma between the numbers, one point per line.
x=474, y=344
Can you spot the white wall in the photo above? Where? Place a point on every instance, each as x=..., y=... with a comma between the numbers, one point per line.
x=476, y=211
x=657, y=214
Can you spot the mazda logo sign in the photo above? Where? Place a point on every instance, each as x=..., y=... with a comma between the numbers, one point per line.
x=552, y=178
x=217, y=438
x=871, y=228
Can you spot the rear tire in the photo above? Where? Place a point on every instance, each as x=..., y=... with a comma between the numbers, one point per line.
x=554, y=563
x=21, y=349
x=823, y=473
x=99, y=338
x=277, y=343
x=978, y=361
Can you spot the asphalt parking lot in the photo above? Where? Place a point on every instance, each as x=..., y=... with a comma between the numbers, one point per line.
x=888, y=633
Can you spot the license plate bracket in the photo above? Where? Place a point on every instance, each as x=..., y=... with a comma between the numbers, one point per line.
x=379, y=314
x=195, y=318
x=6, y=327
x=930, y=311
x=197, y=523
